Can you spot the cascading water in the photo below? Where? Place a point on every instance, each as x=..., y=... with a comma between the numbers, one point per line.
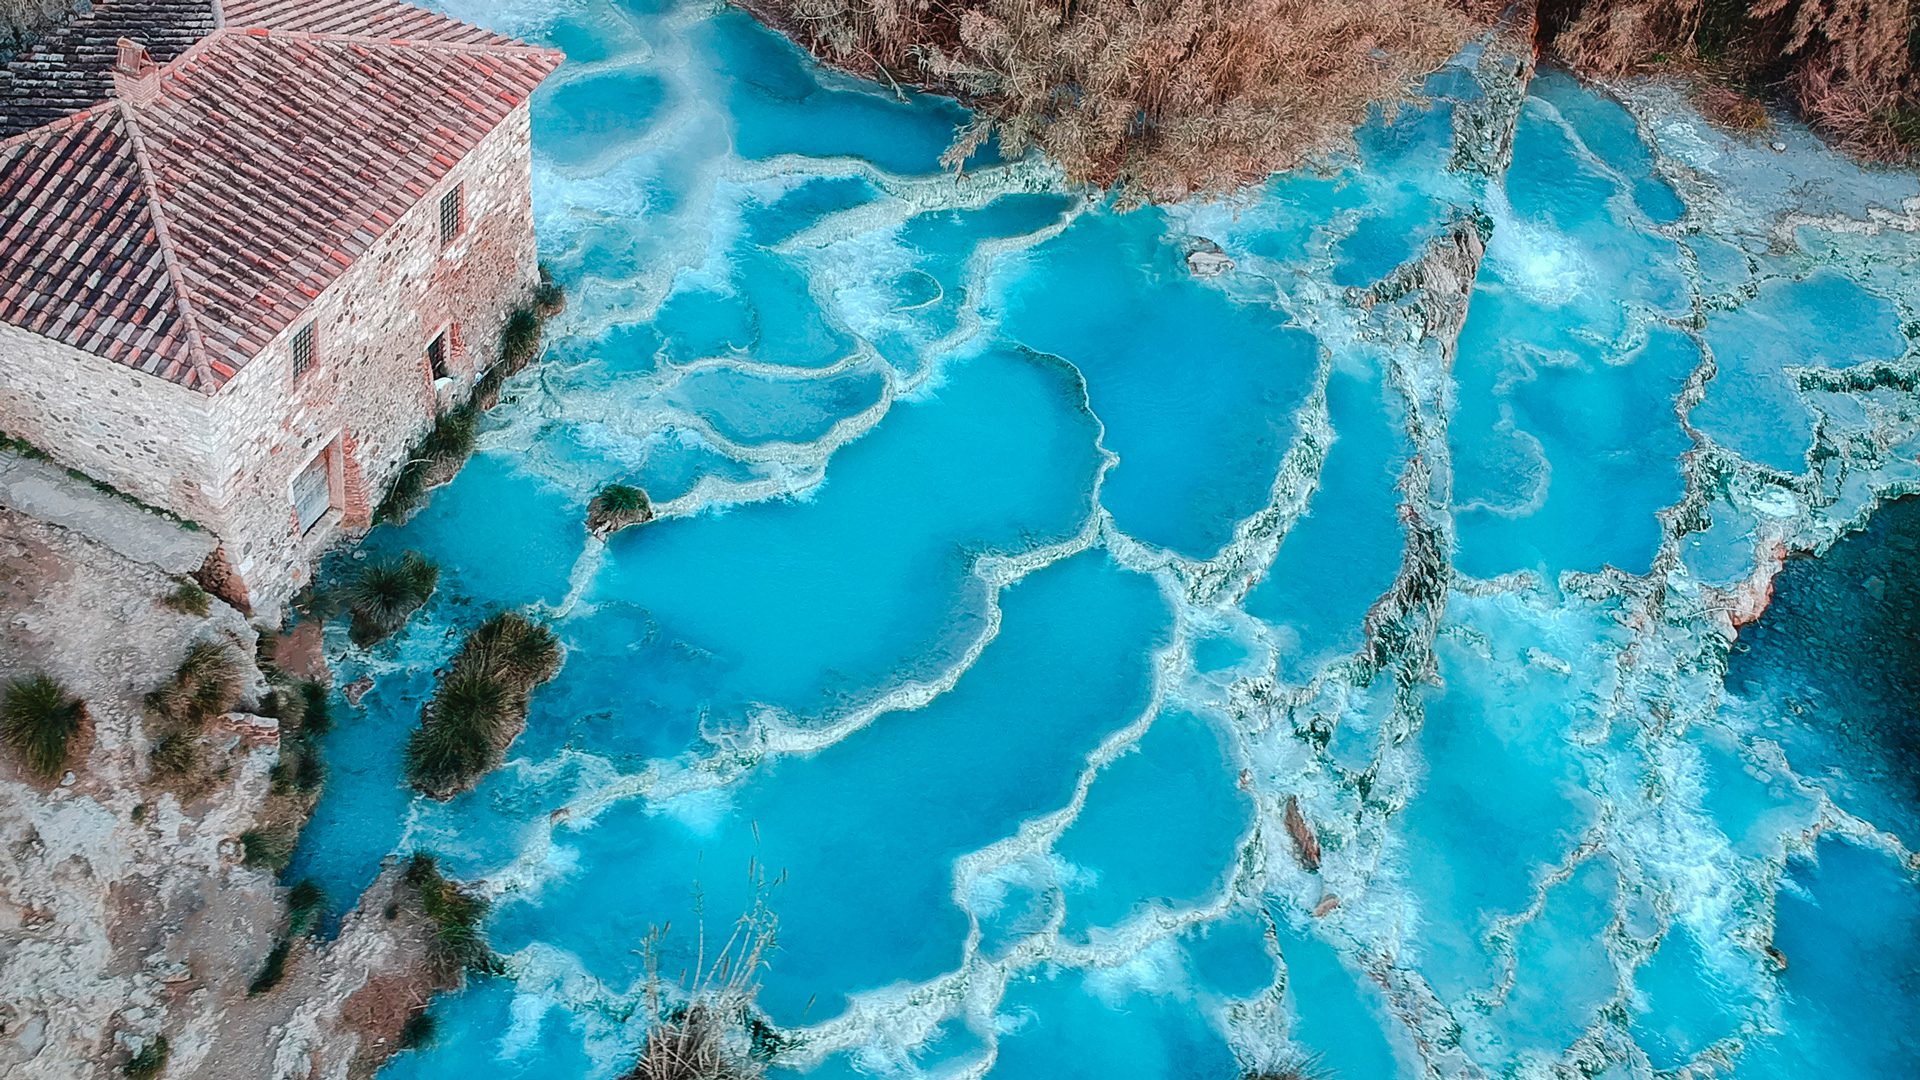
x=1037, y=607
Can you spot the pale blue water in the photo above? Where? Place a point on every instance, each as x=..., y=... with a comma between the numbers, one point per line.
x=1010, y=580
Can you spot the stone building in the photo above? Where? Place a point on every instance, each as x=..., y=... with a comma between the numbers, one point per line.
x=249, y=248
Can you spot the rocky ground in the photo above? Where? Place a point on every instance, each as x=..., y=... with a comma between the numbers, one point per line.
x=128, y=914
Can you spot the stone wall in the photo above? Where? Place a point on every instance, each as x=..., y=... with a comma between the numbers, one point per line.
x=230, y=461
x=370, y=393
x=148, y=437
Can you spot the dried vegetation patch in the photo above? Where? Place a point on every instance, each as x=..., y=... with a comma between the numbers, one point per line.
x=1163, y=98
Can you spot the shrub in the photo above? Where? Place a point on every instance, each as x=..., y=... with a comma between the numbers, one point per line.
x=387, y=593
x=703, y=1035
x=269, y=848
x=433, y=461
x=1731, y=109
x=273, y=970
x=520, y=339
x=1164, y=98
x=150, y=1062
x=458, y=942
x=616, y=507
x=189, y=599
x=38, y=720
x=306, y=902
x=1850, y=67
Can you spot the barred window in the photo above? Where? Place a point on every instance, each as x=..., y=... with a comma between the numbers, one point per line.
x=453, y=214
x=302, y=350
x=437, y=357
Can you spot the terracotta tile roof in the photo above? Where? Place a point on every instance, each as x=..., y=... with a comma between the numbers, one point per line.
x=359, y=18
x=71, y=66
x=80, y=259
x=182, y=235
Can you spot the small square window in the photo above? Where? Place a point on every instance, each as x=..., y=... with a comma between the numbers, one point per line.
x=302, y=350
x=453, y=214
x=437, y=357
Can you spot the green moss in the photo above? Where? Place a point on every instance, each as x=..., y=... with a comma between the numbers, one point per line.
x=38, y=720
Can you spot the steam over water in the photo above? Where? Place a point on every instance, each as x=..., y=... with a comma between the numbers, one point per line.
x=1012, y=580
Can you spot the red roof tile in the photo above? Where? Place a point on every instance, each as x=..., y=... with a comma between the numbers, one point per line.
x=179, y=237
x=391, y=19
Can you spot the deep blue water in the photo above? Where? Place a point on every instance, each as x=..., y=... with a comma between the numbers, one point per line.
x=1011, y=579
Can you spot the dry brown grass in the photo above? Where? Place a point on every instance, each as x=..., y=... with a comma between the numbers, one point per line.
x=1162, y=97
x=1731, y=108
x=1848, y=65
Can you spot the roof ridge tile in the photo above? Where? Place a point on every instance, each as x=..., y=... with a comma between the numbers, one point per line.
x=156, y=212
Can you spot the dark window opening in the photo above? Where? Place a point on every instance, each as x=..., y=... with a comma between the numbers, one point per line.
x=437, y=355
x=302, y=350
x=453, y=214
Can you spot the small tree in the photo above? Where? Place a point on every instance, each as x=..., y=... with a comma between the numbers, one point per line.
x=38, y=720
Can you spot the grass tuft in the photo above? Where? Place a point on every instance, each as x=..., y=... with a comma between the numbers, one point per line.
x=616, y=507
x=481, y=705
x=520, y=338
x=38, y=720
x=208, y=683
x=387, y=593
x=269, y=848
x=189, y=599
x=433, y=460
x=458, y=732
x=458, y=944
